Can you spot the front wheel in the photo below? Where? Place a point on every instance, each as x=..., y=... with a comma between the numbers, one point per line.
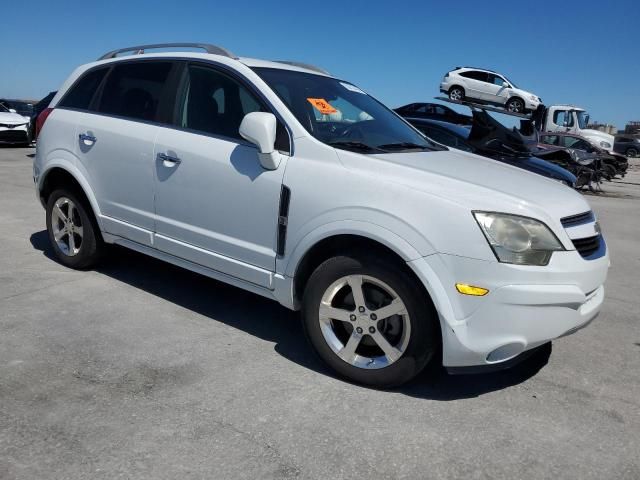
x=632, y=152
x=73, y=234
x=369, y=321
x=515, y=105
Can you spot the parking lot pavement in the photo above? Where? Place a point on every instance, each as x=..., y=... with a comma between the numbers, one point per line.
x=142, y=370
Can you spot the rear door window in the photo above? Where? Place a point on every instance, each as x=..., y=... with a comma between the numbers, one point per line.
x=550, y=139
x=81, y=93
x=134, y=90
x=475, y=75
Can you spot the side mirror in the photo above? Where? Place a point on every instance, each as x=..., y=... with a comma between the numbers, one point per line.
x=259, y=128
x=505, y=84
x=12, y=110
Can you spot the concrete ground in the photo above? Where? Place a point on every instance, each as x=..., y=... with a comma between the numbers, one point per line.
x=146, y=371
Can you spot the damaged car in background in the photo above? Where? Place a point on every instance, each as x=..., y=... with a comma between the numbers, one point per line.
x=613, y=164
x=481, y=139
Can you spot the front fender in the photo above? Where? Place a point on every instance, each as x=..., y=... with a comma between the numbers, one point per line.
x=366, y=229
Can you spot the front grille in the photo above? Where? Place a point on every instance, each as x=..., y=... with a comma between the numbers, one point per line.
x=579, y=219
x=587, y=246
x=13, y=136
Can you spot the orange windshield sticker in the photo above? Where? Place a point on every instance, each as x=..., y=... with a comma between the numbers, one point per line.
x=322, y=105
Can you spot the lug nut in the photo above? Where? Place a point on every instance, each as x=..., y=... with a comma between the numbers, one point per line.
x=352, y=317
x=359, y=330
x=372, y=330
x=373, y=317
x=361, y=309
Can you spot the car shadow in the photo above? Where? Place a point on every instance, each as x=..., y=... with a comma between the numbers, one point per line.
x=269, y=321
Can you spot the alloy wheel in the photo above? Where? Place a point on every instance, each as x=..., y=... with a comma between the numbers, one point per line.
x=632, y=152
x=364, y=321
x=66, y=225
x=515, y=106
x=456, y=94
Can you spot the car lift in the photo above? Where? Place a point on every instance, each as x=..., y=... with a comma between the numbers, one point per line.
x=482, y=106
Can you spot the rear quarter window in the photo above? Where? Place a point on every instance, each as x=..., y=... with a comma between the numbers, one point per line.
x=81, y=93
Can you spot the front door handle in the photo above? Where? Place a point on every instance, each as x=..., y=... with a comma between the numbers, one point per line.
x=168, y=159
x=87, y=138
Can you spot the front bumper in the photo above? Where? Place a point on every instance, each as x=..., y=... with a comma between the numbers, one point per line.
x=525, y=307
x=531, y=104
x=12, y=135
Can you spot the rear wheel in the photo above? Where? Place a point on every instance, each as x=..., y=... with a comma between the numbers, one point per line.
x=515, y=105
x=72, y=230
x=456, y=94
x=369, y=321
x=632, y=152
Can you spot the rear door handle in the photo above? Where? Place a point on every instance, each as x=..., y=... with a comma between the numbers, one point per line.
x=164, y=157
x=86, y=138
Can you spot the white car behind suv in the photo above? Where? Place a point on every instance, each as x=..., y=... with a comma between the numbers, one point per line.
x=14, y=128
x=283, y=180
x=485, y=86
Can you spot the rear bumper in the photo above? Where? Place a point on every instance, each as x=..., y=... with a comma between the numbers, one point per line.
x=525, y=307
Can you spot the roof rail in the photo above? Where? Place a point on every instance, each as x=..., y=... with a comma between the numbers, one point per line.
x=308, y=66
x=141, y=48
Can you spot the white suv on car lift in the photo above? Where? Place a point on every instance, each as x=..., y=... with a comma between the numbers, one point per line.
x=486, y=86
x=281, y=179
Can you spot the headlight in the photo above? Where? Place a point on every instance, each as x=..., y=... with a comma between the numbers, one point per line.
x=518, y=240
x=604, y=144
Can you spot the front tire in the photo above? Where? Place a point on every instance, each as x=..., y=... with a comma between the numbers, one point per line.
x=73, y=232
x=369, y=321
x=632, y=152
x=515, y=105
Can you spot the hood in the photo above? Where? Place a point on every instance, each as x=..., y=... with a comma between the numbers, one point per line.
x=597, y=136
x=474, y=182
x=12, y=118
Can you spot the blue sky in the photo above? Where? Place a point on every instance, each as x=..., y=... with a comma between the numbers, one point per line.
x=581, y=52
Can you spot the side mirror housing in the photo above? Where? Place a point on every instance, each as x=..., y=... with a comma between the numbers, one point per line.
x=12, y=110
x=506, y=84
x=259, y=128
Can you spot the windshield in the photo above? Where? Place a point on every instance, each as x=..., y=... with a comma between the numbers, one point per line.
x=583, y=119
x=341, y=115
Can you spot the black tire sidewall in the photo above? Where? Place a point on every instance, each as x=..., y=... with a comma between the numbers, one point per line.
x=425, y=338
x=632, y=152
x=90, y=249
x=514, y=100
x=457, y=88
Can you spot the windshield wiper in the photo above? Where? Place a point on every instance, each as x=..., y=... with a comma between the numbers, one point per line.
x=403, y=146
x=363, y=147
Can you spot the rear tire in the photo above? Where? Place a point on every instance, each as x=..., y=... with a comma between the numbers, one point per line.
x=369, y=321
x=632, y=152
x=456, y=94
x=73, y=231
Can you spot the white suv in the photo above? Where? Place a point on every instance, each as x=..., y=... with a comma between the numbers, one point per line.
x=489, y=87
x=283, y=180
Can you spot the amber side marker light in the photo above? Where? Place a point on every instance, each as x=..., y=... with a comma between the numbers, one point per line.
x=465, y=289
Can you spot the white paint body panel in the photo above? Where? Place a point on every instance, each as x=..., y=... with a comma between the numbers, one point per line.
x=216, y=213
